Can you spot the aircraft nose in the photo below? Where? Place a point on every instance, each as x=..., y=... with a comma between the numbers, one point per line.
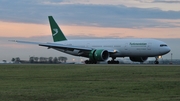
x=165, y=50
x=168, y=50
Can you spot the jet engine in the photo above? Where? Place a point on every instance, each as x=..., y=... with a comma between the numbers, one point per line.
x=138, y=59
x=99, y=55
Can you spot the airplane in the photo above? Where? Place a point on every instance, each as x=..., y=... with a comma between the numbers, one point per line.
x=100, y=50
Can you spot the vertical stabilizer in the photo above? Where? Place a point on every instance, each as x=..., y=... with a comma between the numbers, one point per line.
x=57, y=34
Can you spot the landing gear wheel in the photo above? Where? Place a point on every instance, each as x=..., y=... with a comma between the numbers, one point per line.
x=156, y=62
x=113, y=62
x=90, y=62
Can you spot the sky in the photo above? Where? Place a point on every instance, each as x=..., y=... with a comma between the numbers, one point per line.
x=84, y=19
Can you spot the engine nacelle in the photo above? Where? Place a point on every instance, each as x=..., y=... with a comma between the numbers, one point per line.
x=99, y=55
x=138, y=59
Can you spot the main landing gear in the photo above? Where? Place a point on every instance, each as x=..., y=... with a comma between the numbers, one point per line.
x=113, y=61
x=109, y=62
x=90, y=62
x=156, y=61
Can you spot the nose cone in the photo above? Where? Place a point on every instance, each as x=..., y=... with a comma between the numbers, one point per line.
x=167, y=50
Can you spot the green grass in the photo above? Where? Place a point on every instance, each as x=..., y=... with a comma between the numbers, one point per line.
x=89, y=83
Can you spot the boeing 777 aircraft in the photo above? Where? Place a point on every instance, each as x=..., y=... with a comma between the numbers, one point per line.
x=97, y=50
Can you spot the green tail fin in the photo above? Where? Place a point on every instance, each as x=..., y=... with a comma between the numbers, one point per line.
x=57, y=34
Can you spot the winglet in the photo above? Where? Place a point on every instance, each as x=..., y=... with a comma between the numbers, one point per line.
x=57, y=34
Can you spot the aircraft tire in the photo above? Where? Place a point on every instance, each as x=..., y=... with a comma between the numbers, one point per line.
x=156, y=62
x=113, y=62
x=90, y=62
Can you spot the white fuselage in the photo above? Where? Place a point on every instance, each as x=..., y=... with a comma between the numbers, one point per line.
x=124, y=47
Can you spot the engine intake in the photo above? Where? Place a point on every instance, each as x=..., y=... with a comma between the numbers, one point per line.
x=99, y=55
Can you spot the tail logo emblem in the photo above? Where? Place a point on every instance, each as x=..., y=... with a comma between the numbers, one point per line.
x=56, y=31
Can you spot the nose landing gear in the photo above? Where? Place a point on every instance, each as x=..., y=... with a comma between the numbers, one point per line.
x=156, y=61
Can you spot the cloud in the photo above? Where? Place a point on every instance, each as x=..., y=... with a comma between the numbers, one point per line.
x=166, y=1
x=36, y=11
x=159, y=1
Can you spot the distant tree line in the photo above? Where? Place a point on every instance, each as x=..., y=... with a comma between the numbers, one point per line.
x=15, y=60
x=40, y=60
x=47, y=60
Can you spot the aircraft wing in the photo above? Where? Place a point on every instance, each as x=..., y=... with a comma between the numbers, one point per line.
x=26, y=42
x=61, y=46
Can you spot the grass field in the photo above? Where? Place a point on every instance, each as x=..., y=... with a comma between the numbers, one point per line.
x=89, y=83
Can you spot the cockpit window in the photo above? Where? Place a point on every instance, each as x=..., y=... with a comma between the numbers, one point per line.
x=163, y=45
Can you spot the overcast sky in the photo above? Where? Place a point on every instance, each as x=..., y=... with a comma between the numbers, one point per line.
x=27, y=20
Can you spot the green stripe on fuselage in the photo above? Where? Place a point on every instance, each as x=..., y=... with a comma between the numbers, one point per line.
x=138, y=44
